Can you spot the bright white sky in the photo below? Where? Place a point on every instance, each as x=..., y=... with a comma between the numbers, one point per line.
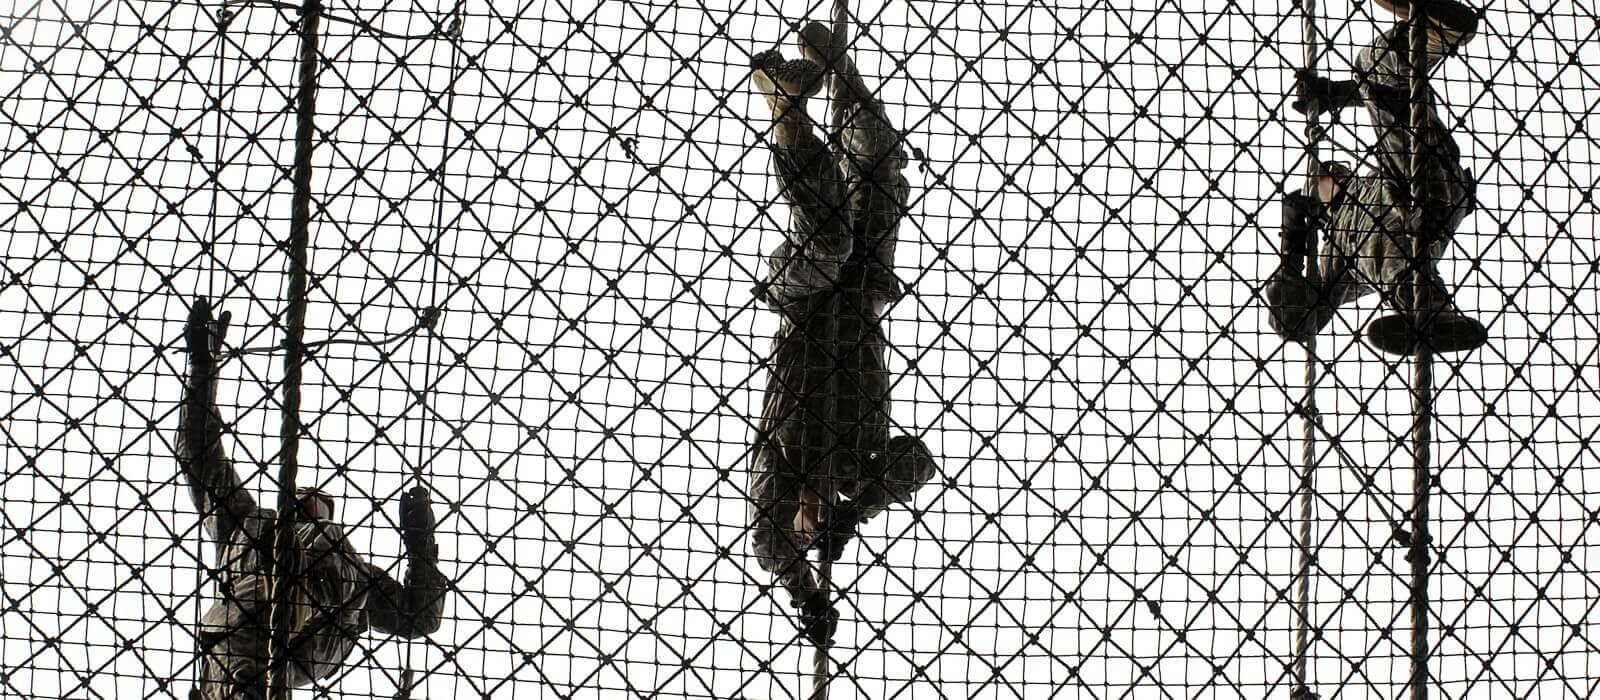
x=1082, y=349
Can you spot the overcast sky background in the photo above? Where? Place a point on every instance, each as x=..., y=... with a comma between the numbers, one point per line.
x=583, y=190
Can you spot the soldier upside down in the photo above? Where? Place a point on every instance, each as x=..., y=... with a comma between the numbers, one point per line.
x=1370, y=219
x=824, y=429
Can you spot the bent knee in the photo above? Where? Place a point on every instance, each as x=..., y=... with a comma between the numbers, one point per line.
x=907, y=466
x=775, y=551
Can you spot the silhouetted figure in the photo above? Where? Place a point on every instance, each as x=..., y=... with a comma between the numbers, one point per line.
x=1370, y=219
x=336, y=594
x=824, y=430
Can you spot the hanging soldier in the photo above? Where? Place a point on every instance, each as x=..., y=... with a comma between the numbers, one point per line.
x=1370, y=220
x=336, y=595
x=824, y=429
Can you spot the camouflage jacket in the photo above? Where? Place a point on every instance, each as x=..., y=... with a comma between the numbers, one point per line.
x=336, y=594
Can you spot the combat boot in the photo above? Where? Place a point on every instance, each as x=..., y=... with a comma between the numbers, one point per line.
x=785, y=85
x=819, y=45
x=1438, y=327
x=1450, y=23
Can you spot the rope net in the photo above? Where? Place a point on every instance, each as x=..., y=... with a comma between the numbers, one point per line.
x=534, y=232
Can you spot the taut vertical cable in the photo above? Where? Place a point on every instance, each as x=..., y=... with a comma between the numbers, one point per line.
x=283, y=538
x=1422, y=362
x=419, y=470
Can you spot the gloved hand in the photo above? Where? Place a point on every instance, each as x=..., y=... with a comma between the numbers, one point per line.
x=818, y=619
x=837, y=531
x=1303, y=693
x=417, y=523
x=202, y=335
x=1300, y=214
x=1314, y=94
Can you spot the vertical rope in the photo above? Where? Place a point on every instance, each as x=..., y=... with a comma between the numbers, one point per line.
x=1422, y=363
x=283, y=539
x=820, y=666
x=821, y=671
x=1311, y=416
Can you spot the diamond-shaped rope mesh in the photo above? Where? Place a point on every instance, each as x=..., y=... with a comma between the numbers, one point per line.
x=536, y=228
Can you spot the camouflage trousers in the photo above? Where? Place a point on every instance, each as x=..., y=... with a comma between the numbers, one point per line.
x=227, y=675
x=845, y=205
x=824, y=428
x=1372, y=226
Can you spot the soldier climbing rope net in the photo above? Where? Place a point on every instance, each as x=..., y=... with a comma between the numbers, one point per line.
x=1142, y=429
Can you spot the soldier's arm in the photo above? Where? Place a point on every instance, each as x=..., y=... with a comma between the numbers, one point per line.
x=1298, y=230
x=219, y=496
x=413, y=608
x=1315, y=94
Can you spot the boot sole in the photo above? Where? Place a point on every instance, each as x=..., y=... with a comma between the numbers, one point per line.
x=1398, y=334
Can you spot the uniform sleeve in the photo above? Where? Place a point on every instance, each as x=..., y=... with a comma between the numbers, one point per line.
x=219, y=496
x=411, y=609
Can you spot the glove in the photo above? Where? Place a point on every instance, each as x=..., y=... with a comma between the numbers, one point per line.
x=1300, y=214
x=203, y=335
x=417, y=522
x=1315, y=94
x=818, y=619
x=837, y=532
x=762, y=292
x=197, y=331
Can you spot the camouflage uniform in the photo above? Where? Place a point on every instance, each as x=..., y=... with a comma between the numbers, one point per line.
x=1369, y=227
x=825, y=418
x=336, y=595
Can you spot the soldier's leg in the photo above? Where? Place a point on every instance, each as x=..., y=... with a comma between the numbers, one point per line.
x=1446, y=188
x=1384, y=73
x=818, y=237
x=775, y=502
x=871, y=158
x=1297, y=306
x=883, y=471
x=1296, y=309
x=225, y=677
x=893, y=476
x=775, y=493
x=1450, y=23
